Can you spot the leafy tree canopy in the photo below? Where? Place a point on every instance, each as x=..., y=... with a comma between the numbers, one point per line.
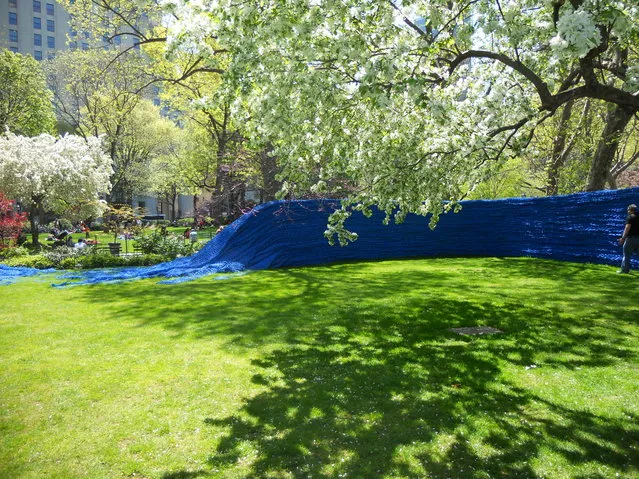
x=404, y=104
x=25, y=100
x=411, y=102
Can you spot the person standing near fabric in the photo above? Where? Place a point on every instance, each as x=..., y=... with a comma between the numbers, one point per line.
x=630, y=238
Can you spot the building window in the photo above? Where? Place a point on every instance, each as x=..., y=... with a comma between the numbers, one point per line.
x=118, y=40
x=13, y=18
x=13, y=3
x=50, y=26
x=51, y=42
x=13, y=36
x=37, y=54
x=14, y=49
x=50, y=9
x=73, y=45
x=37, y=40
x=37, y=23
x=85, y=46
x=51, y=56
x=37, y=6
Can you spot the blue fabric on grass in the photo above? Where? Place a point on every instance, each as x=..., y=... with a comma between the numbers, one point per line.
x=580, y=228
x=8, y=274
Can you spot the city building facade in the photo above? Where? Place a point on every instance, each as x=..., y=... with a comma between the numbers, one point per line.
x=33, y=27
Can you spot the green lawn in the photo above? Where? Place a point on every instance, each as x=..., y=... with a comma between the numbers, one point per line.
x=348, y=370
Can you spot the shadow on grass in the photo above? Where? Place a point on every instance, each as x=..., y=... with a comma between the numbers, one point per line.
x=365, y=378
x=405, y=401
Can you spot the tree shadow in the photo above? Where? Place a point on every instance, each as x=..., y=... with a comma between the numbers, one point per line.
x=405, y=402
x=366, y=379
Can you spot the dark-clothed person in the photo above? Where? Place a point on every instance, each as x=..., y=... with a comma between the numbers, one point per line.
x=630, y=238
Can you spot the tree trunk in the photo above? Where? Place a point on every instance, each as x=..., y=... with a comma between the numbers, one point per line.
x=557, y=156
x=268, y=167
x=617, y=119
x=34, y=228
x=35, y=211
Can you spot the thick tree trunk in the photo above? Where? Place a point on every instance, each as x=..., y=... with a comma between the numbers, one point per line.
x=617, y=119
x=557, y=156
x=268, y=167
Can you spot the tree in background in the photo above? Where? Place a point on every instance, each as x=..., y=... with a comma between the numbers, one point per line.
x=11, y=221
x=170, y=171
x=61, y=175
x=98, y=93
x=222, y=161
x=25, y=100
x=144, y=137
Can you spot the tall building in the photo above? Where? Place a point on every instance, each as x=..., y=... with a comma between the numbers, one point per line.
x=33, y=27
x=40, y=28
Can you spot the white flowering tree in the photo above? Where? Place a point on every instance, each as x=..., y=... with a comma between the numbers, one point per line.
x=415, y=102
x=408, y=103
x=61, y=175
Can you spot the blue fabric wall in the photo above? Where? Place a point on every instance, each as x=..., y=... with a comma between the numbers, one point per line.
x=579, y=228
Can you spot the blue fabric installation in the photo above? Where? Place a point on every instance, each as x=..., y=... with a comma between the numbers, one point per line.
x=580, y=228
x=9, y=274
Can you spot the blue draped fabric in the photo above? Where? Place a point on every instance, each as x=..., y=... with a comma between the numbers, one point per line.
x=580, y=228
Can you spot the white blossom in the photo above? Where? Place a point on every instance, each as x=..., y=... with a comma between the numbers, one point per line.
x=63, y=175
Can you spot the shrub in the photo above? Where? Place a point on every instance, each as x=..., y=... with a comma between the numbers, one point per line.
x=185, y=222
x=6, y=253
x=61, y=253
x=34, y=261
x=165, y=245
x=107, y=260
x=11, y=222
x=61, y=223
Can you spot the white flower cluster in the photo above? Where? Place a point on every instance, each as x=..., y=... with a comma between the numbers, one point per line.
x=632, y=79
x=190, y=26
x=64, y=174
x=577, y=34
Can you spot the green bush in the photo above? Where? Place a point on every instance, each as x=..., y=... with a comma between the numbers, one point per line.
x=98, y=260
x=146, y=259
x=165, y=245
x=61, y=253
x=34, y=261
x=185, y=222
x=60, y=223
x=107, y=260
x=13, y=252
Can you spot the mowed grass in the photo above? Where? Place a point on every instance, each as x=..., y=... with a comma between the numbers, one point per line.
x=348, y=370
